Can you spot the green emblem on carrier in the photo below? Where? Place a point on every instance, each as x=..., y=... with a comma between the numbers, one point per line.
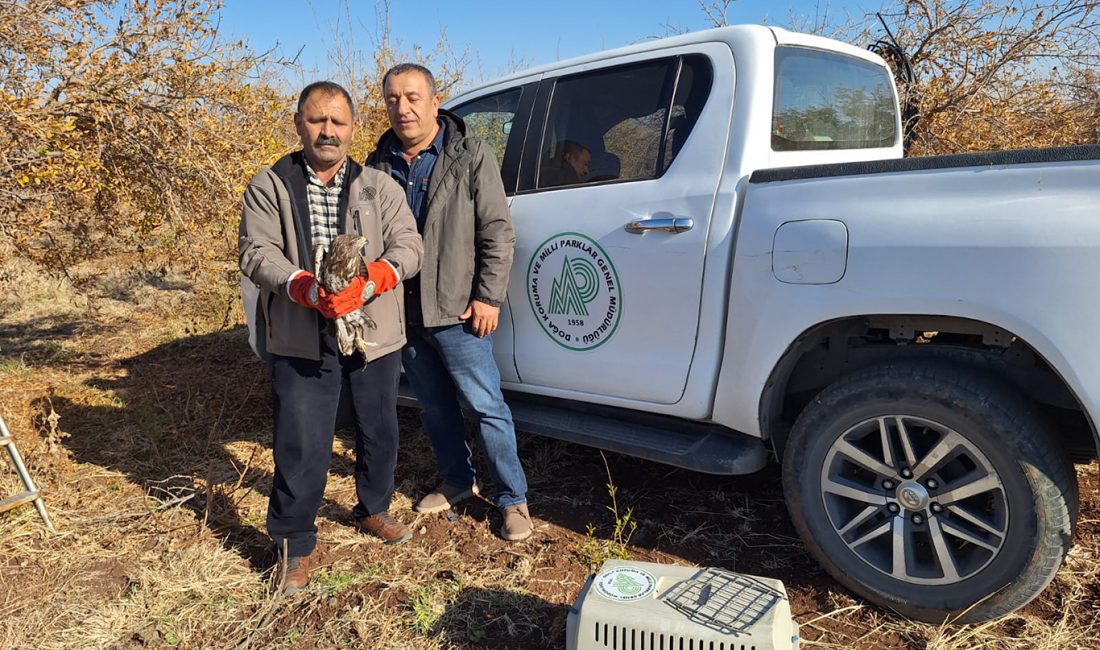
x=625, y=584
x=574, y=291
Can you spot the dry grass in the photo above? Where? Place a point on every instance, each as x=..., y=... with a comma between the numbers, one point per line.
x=155, y=467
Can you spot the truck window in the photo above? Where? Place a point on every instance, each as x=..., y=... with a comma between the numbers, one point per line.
x=692, y=90
x=490, y=118
x=825, y=100
x=622, y=123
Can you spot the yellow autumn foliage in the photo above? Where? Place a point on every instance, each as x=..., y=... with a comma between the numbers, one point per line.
x=133, y=125
x=1000, y=74
x=125, y=126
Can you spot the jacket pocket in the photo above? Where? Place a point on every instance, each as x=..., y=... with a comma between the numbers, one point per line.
x=388, y=321
x=399, y=302
x=367, y=224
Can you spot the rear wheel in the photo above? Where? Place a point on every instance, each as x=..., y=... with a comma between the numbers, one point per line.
x=932, y=490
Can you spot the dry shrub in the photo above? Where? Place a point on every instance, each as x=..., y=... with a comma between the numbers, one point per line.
x=990, y=74
x=362, y=73
x=1005, y=74
x=134, y=126
x=127, y=125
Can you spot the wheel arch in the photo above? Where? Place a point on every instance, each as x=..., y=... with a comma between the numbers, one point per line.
x=827, y=351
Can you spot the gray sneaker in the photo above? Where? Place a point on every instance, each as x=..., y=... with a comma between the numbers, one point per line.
x=443, y=497
x=517, y=523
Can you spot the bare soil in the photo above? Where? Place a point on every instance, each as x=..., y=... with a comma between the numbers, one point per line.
x=145, y=420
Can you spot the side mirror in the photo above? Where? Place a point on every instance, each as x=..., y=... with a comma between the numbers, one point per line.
x=506, y=128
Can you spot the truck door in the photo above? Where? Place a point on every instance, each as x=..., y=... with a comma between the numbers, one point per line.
x=616, y=185
x=499, y=118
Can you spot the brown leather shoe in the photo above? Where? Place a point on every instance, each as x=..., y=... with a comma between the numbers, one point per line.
x=383, y=525
x=297, y=575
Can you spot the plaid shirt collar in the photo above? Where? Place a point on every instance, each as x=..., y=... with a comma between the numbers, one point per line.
x=324, y=205
x=337, y=182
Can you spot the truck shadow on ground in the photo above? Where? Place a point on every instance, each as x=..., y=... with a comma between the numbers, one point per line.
x=190, y=421
x=669, y=515
x=502, y=620
x=39, y=342
x=168, y=420
x=179, y=413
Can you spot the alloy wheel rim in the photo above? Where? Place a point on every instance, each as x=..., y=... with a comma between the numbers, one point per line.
x=914, y=499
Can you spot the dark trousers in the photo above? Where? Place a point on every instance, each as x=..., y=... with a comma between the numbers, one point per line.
x=306, y=396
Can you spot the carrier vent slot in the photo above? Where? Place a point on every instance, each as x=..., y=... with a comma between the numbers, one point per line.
x=618, y=637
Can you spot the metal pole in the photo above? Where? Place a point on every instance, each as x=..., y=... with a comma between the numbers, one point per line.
x=6, y=440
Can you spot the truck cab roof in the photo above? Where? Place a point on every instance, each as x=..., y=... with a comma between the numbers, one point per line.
x=742, y=39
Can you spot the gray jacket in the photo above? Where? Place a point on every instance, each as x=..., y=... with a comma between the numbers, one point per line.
x=275, y=241
x=468, y=234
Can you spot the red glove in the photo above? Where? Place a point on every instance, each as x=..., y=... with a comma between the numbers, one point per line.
x=382, y=275
x=305, y=291
x=380, y=278
x=335, y=305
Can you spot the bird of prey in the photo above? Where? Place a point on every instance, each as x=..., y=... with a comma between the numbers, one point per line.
x=336, y=268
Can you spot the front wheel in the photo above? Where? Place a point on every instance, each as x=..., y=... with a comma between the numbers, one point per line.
x=933, y=490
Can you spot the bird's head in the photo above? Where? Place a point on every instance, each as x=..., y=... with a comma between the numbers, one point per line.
x=344, y=255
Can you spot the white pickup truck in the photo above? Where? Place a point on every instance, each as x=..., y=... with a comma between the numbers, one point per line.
x=721, y=251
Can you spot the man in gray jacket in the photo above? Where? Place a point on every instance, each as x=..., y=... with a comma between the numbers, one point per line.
x=300, y=204
x=453, y=185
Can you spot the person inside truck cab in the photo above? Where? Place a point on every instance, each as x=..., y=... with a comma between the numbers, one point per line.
x=569, y=166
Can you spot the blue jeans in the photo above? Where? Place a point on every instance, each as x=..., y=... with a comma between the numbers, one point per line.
x=450, y=367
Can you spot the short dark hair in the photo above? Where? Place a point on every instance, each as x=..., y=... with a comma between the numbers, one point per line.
x=402, y=68
x=327, y=87
x=572, y=147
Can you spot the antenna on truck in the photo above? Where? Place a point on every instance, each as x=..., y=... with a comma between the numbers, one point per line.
x=904, y=75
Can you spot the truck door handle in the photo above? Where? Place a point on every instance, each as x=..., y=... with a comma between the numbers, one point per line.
x=673, y=225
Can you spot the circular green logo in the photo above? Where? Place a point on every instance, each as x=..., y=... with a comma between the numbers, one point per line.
x=574, y=291
x=625, y=584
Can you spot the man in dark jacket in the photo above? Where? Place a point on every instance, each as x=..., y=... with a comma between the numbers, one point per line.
x=568, y=167
x=453, y=185
x=298, y=205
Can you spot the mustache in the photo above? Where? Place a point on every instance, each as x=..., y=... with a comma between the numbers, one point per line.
x=323, y=140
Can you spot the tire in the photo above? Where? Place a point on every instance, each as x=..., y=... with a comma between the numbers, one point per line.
x=983, y=538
